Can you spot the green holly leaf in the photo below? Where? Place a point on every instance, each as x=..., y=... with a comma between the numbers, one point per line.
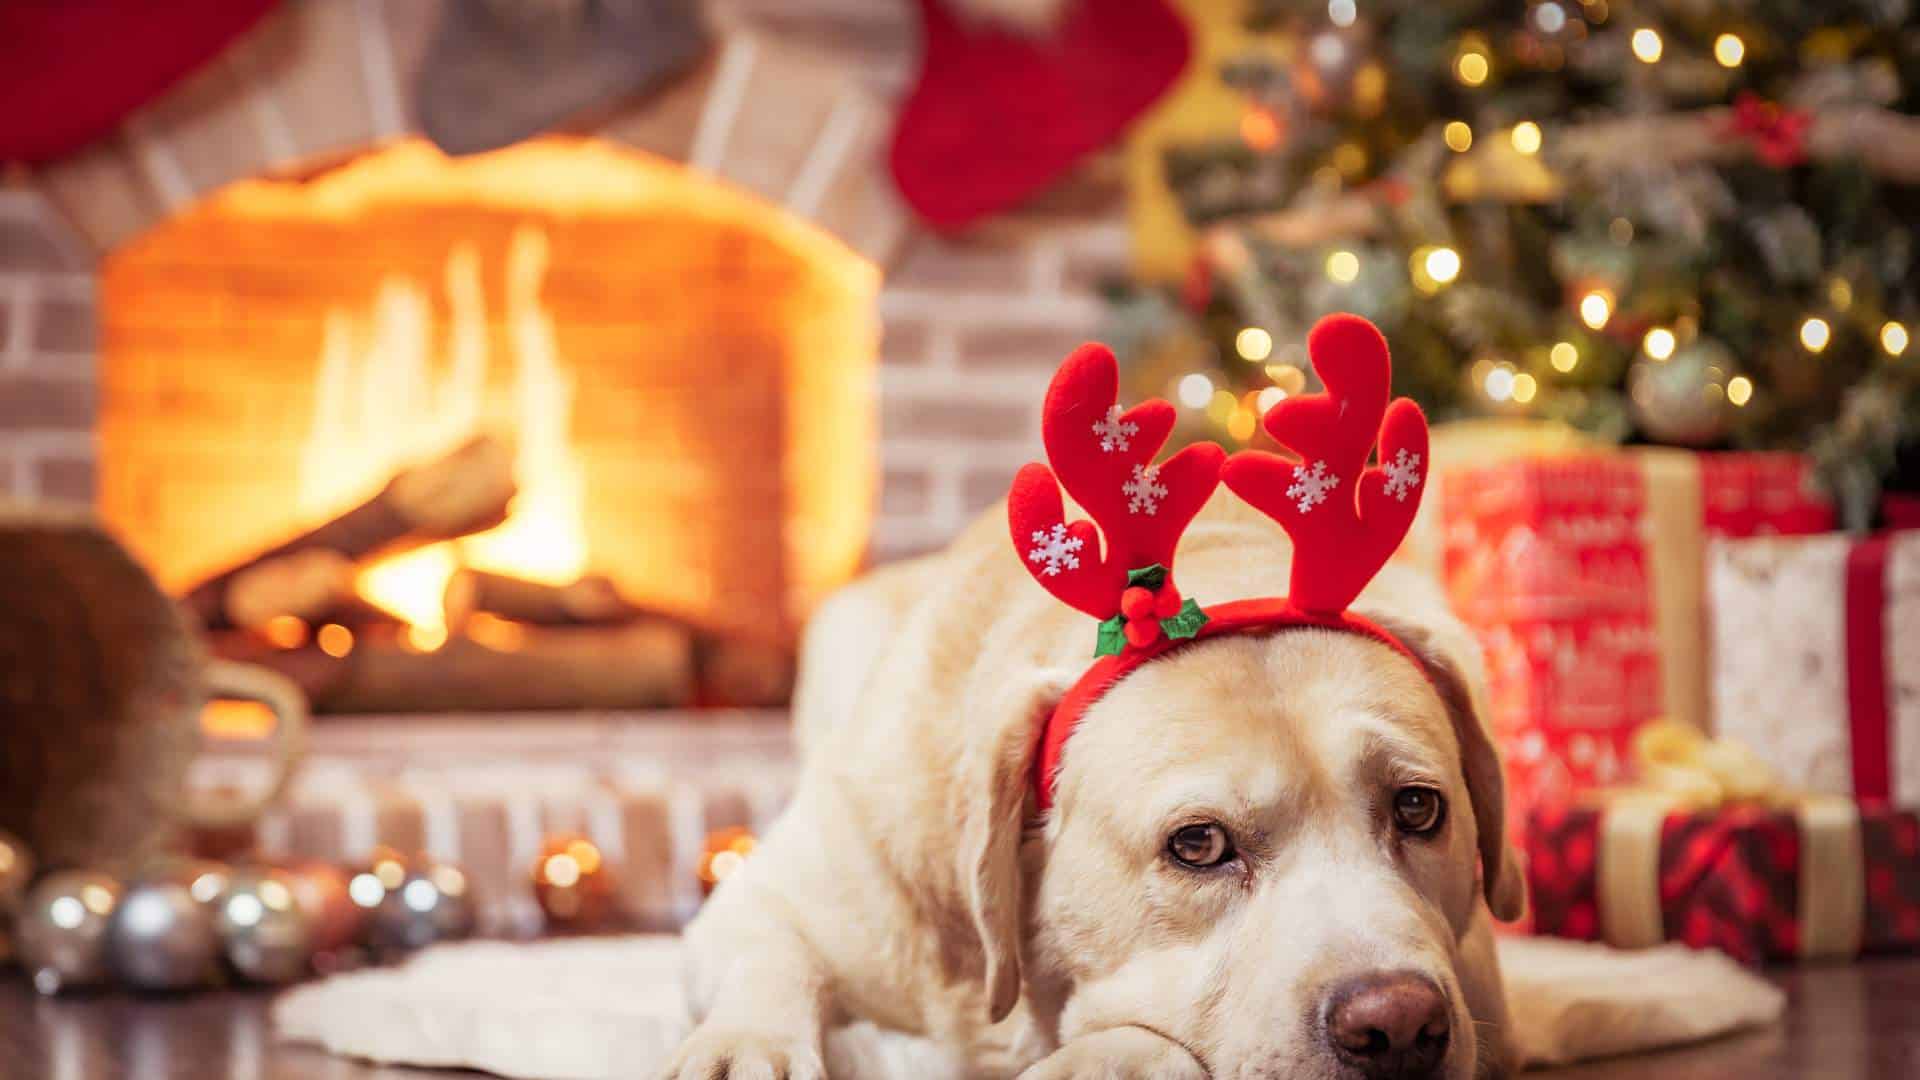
x=1113, y=637
x=1148, y=577
x=1186, y=622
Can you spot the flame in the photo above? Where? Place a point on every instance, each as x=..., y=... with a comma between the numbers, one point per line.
x=383, y=402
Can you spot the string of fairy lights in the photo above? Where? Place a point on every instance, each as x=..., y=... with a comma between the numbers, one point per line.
x=1433, y=268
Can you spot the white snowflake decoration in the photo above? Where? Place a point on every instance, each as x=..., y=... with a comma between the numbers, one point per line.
x=1114, y=432
x=1310, y=486
x=1145, y=490
x=1403, y=474
x=1055, y=550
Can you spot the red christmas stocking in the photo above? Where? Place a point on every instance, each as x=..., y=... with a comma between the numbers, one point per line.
x=70, y=71
x=996, y=116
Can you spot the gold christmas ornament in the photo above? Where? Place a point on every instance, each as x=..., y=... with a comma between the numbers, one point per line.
x=572, y=884
x=62, y=930
x=322, y=891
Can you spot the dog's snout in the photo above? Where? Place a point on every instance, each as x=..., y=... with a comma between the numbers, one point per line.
x=1387, y=1025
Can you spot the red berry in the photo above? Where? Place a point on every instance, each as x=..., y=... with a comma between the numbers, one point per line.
x=1167, y=604
x=1142, y=632
x=1136, y=603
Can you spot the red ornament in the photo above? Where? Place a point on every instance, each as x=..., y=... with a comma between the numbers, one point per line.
x=572, y=885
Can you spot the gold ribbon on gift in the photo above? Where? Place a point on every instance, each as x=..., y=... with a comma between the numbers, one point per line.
x=1684, y=771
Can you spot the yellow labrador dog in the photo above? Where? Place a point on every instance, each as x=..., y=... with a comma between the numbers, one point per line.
x=1268, y=856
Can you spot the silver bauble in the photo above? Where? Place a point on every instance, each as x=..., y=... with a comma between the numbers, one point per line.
x=430, y=904
x=1682, y=400
x=62, y=930
x=161, y=937
x=267, y=936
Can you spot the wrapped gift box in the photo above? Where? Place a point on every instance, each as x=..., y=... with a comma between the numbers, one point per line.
x=1816, y=659
x=1581, y=574
x=1826, y=878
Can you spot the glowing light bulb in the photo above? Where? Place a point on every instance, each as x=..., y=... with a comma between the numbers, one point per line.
x=1500, y=383
x=1253, y=344
x=1564, y=356
x=1341, y=12
x=1526, y=137
x=1893, y=338
x=1647, y=45
x=1443, y=264
x=1471, y=68
x=1270, y=397
x=334, y=640
x=1343, y=267
x=1524, y=387
x=1595, y=309
x=1195, y=391
x=1458, y=135
x=1815, y=333
x=1740, y=390
x=1659, y=343
x=1729, y=50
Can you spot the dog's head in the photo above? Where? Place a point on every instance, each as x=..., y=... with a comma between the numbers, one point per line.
x=1267, y=848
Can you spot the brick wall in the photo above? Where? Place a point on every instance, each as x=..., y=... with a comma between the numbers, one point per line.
x=973, y=329
x=47, y=331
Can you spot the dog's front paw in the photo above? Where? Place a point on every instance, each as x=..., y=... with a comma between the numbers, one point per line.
x=1125, y=1053
x=725, y=1054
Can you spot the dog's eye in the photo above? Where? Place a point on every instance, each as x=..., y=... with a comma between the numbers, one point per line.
x=1418, y=810
x=1200, y=846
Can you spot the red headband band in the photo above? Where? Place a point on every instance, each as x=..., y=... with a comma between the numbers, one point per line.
x=1345, y=517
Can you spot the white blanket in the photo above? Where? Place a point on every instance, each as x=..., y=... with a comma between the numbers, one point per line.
x=593, y=1008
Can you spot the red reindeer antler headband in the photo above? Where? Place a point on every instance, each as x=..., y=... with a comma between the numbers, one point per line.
x=1345, y=517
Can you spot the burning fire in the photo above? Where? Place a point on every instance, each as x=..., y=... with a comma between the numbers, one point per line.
x=385, y=400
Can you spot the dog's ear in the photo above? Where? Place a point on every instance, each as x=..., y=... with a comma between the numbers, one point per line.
x=995, y=790
x=1452, y=660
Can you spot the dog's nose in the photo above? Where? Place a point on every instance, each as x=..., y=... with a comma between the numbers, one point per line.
x=1389, y=1025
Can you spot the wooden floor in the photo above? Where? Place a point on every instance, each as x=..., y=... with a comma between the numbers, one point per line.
x=1859, y=1022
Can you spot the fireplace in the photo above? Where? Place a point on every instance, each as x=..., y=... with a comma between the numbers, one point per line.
x=656, y=388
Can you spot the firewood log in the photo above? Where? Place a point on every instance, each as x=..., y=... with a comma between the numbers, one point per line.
x=640, y=665
x=313, y=586
x=465, y=492
x=587, y=601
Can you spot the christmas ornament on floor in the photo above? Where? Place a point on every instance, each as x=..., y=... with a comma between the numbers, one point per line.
x=265, y=933
x=161, y=935
x=999, y=111
x=412, y=903
x=571, y=883
x=62, y=930
x=322, y=891
x=499, y=71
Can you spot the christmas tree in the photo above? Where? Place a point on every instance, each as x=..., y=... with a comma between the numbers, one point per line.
x=1679, y=222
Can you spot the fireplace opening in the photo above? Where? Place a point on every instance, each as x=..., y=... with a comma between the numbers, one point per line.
x=558, y=426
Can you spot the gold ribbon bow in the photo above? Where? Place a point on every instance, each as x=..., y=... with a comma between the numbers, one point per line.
x=1682, y=770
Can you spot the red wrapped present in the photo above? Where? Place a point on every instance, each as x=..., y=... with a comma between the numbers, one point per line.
x=1582, y=574
x=1808, y=638
x=1827, y=877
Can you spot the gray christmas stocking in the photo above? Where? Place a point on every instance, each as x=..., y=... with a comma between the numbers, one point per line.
x=499, y=71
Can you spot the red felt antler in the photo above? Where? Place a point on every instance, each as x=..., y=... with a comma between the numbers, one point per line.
x=1104, y=459
x=1345, y=518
